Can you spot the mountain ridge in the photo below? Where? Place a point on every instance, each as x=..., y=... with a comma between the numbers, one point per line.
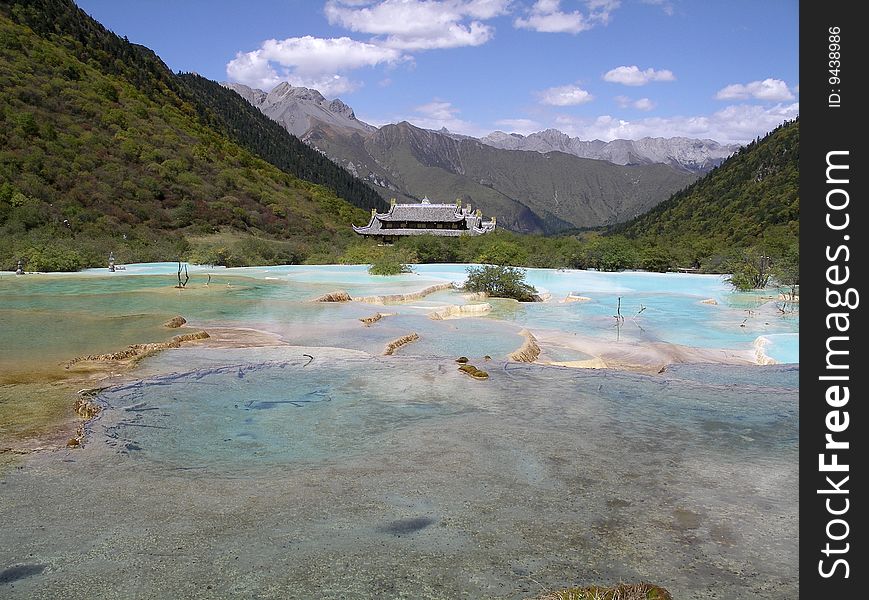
x=407, y=162
x=297, y=107
x=690, y=154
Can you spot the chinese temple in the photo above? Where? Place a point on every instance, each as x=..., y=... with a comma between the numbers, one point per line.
x=426, y=218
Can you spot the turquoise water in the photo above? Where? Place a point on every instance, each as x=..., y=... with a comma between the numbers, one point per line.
x=320, y=468
x=657, y=308
x=248, y=409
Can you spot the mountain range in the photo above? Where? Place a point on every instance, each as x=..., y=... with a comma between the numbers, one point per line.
x=546, y=191
x=688, y=154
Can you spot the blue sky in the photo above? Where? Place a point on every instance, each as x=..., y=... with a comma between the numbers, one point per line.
x=605, y=69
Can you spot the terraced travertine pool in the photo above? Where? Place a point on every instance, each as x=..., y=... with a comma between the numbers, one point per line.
x=287, y=458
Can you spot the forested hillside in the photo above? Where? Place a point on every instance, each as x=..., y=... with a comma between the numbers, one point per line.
x=750, y=200
x=103, y=149
x=232, y=115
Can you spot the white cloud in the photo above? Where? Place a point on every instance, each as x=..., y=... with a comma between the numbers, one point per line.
x=641, y=104
x=523, y=126
x=438, y=109
x=436, y=115
x=546, y=16
x=771, y=90
x=600, y=10
x=253, y=69
x=308, y=61
x=733, y=124
x=565, y=95
x=634, y=76
x=487, y=9
x=330, y=86
x=419, y=24
x=665, y=5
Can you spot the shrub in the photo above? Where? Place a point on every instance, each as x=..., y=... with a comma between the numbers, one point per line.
x=500, y=282
x=387, y=265
x=51, y=259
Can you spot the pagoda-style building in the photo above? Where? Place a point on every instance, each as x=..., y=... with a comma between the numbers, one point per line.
x=425, y=218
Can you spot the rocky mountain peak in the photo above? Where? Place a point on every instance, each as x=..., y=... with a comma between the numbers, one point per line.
x=338, y=107
x=299, y=109
x=686, y=154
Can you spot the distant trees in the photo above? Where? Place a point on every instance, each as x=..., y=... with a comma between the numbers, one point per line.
x=503, y=252
x=613, y=253
x=749, y=269
x=388, y=265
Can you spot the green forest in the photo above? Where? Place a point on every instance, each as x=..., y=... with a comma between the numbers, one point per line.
x=103, y=149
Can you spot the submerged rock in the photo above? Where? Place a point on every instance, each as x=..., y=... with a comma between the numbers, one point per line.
x=372, y=319
x=622, y=591
x=336, y=296
x=86, y=409
x=473, y=372
x=175, y=322
x=399, y=342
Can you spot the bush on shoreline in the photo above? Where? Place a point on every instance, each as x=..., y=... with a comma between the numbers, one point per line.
x=500, y=282
x=388, y=266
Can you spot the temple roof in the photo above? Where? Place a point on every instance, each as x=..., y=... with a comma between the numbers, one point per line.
x=401, y=232
x=426, y=213
x=423, y=212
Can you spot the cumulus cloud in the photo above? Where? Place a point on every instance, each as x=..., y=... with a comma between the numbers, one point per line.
x=438, y=109
x=419, y=24
x=546, y=16
x=436, y=115
x=634, y=76
x=565, y=95
x=523, y=126
x=308, y=61
x=771, y=90
x=641, y=104
x=734, y=124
